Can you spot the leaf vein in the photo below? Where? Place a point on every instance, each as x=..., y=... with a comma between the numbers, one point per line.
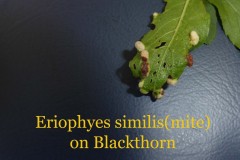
x=175, y=33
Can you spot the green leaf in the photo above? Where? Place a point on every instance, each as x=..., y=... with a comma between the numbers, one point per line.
x=213, y=25
x=229, y=11
x=168, y=44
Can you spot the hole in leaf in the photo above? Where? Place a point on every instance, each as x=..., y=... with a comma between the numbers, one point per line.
x=161, y=45
x=152, y=26
x=134, y=66
x=164, y=64
x=158, y=55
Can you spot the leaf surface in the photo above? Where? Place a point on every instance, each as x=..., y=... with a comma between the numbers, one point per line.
x=229, y=11
x=168, y=44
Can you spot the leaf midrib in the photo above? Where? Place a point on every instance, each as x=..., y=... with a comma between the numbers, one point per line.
x=174, y=35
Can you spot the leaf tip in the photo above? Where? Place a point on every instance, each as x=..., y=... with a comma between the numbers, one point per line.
x=158, y=94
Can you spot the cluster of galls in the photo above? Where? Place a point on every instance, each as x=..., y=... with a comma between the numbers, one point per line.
x=145, y=67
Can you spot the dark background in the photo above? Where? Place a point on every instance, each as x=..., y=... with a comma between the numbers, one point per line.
x=71, y=57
